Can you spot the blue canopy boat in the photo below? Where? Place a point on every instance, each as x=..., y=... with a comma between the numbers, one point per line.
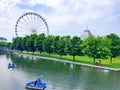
x=36, y=85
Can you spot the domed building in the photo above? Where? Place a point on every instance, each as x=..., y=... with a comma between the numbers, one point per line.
x=85, y=34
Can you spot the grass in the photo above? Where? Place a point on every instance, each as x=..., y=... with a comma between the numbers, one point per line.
x=83, y=59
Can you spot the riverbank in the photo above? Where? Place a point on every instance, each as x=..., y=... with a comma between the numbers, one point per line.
x=71, y=62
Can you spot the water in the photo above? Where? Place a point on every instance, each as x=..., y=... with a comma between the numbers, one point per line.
x=58, y=76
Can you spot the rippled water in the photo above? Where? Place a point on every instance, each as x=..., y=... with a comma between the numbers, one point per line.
x=58, y=76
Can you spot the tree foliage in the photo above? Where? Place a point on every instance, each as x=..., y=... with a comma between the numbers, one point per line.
x=39, y=42
x=97, y=47
x=62, y=45
x=115, y=45
x=24, y=43
x=56, y=44
x=30, y=43
x=48, y=44
x=17, y=44
x=74, y=46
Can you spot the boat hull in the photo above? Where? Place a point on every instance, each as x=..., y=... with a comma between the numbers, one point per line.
x=34, y=88
x=40, y=86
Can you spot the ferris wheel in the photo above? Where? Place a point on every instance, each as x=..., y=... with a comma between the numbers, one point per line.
x=30, y=23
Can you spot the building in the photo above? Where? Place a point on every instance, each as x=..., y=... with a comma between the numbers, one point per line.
x=85, y=34
x=3, y=39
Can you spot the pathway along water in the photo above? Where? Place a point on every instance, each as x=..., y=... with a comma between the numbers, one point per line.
x=58, y=75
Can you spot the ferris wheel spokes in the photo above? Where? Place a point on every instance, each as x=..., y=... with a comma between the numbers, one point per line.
x=30, y=23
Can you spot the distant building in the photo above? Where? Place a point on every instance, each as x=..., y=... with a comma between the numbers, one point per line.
x=3, y=39
x=85, y=34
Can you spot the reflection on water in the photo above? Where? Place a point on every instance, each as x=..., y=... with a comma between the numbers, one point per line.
x=58, y=75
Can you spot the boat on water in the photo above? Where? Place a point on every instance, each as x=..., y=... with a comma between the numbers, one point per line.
x=36, y=85
x=11, y=65
x=40, y=86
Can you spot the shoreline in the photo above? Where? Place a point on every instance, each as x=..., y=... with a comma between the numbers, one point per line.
x=70, y=62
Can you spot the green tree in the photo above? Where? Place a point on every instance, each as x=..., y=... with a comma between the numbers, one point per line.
x=96, y=47
x=56, y=44
x=39, y=42
x=9, y=44
x=75, y=48
x=61, y=44
x=17, y=44
x=115, y=46
x=49, y=44
x=24, y=41
x=30, y=42
x=67, y=43
x=13, y=45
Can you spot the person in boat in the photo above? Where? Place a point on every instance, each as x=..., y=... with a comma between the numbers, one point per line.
x=13, y=65
x=38, y=81
x=9, y=65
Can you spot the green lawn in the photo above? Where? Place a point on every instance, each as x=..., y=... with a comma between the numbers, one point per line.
x=84, y=59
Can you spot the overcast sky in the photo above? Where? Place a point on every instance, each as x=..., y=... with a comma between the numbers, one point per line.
x=64, y=17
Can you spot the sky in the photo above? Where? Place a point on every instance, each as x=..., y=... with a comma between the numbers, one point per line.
x=64, y=17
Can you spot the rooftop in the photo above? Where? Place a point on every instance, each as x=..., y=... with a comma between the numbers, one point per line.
x=3, y=39
x=85, y=34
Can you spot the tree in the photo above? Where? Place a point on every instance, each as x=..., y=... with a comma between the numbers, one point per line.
x=13, y=45
x=39, y=42
x=61, y=46
x=75, y=48
x=24, y=41
x=17, y=44
x=30, y=42
x=9, y=45
x=49, y=44
x=67, y=43
x=115, y=46
x=96, y=47
x=56, y=44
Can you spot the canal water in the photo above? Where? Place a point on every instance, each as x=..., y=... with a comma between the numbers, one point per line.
x=57, y=75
